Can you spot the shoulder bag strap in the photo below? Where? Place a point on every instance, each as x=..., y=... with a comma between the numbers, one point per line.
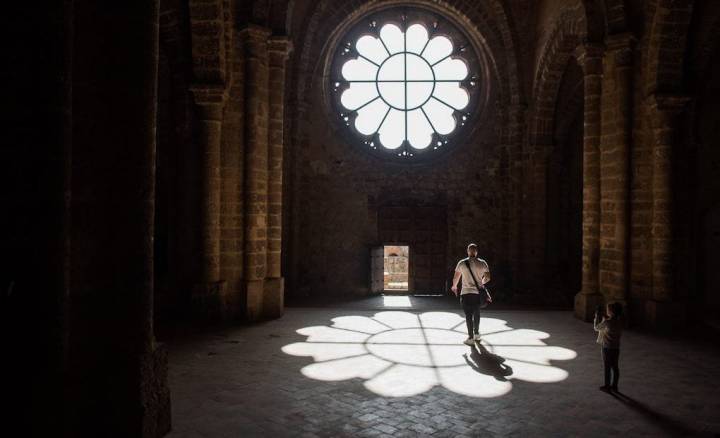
x=467, y=263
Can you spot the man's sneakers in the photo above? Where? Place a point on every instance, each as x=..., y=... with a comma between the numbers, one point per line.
x=472, y=340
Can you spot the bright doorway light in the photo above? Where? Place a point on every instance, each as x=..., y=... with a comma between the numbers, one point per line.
x=396, y=301
x=396, y=267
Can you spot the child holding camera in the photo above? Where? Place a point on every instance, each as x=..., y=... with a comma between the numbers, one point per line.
x=609, y=328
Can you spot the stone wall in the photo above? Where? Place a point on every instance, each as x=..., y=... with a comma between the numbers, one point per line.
x=79, y=309
x=337, y=190
x=629, y=65
x=255, y=182
x=221, y=136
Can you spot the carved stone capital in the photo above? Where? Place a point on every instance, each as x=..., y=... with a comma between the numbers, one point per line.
x=255, y=32
x=209, y=100
x=280, y=45
x=665, y=109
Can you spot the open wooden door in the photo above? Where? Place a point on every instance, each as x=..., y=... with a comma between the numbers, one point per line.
x=377, y=269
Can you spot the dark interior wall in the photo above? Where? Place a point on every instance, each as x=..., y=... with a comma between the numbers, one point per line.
x=335, y=192
x=77, y=254
x=697, y=170
x=701, y=185
x=341, y=189
x=36, y=108
x=564, y=190
x=115, y=380
x=707, y=198
x=421, y=225
x=175, y=177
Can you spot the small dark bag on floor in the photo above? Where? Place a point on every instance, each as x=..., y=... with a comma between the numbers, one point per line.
x=483, y=297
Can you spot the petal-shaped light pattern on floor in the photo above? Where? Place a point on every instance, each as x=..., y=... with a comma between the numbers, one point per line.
x=330, y=334
x=363, y=367
x=466, y=381
x=402, y=381
x=413, y=74
x=360, y=324
x=401, y=354
x=397, y=319
x=322, y=352
x=439, y=320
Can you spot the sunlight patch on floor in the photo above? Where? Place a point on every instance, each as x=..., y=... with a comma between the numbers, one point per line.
x=398, y=301
x=402, y=354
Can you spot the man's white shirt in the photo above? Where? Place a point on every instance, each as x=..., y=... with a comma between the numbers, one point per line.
x=479, y=267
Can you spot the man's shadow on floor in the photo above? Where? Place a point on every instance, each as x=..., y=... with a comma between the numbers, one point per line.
x=484, y=362
x=671, y=425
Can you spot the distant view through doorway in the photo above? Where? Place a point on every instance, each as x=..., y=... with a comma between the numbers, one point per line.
x=396, y=265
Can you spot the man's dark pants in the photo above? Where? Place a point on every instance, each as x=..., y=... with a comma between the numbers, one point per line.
x=471, y=307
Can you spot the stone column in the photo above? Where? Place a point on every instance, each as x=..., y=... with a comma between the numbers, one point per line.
x=278, y=48
x=209, y=100
x=256, y=165
x=616, y=137
x=664, y=114
x=294, y=195
x=534, y=216
x=590, y=59
x=116, y=373
x=513, y=140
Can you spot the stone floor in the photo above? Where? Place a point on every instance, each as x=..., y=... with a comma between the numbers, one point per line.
x=369, y=370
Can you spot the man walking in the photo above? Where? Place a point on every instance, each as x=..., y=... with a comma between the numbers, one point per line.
x=475, y=273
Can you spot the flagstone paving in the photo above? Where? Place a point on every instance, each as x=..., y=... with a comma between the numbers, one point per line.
x=333, y=372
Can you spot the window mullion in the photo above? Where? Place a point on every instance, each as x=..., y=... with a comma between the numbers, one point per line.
x=405, y=83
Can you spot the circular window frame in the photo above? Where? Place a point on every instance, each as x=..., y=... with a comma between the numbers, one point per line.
x=342, y=49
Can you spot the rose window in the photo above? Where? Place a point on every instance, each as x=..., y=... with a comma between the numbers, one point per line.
x=405, y=86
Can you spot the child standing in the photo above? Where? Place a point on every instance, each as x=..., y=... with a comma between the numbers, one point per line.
x=609, y=328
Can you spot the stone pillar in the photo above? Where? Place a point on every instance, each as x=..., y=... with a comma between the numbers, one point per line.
x=116, y=373
x=294, y=196
x=590, y=59
x=273, y=300
x=208, y=292
x=534, y=216
x=513, y=140
x=664, y=113
x=256, y=165
x=616, y=137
